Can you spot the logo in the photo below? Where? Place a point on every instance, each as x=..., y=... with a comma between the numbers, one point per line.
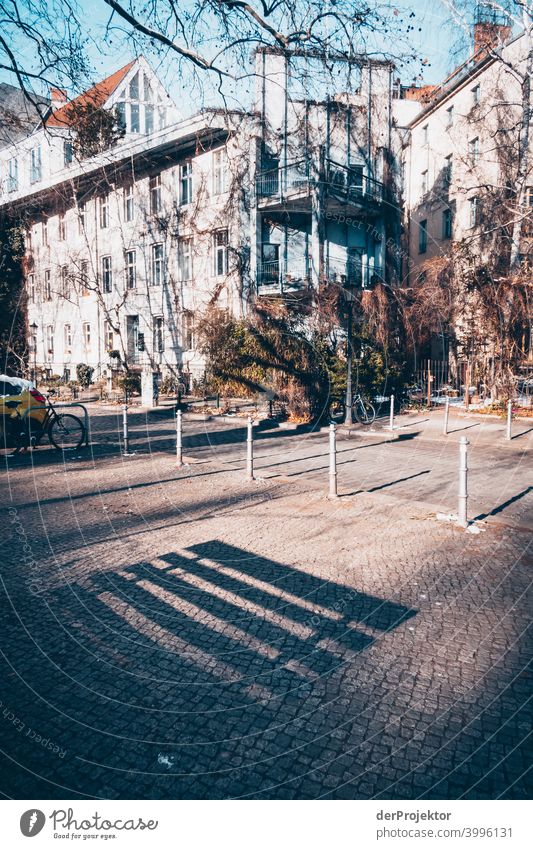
x=32, y=822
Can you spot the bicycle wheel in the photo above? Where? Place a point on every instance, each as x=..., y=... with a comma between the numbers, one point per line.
x=364, y=412
x=66, y=432
x=337, y=411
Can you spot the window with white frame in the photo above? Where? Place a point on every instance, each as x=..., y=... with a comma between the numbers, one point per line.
x=44, y=231
x=159, y=335
x=220, y=244
x=131, y=270
x=186, y=183
x=473, y=150
x=155, y=194
x=157, y=265
x=31, y=288
x=67, y=337
x=50, y=339
x=87, y=334
x=65, y=282
x=185, y=259
x=473, y=214
x=135, y=118
x=35, y=164
x=62, y=232
x=128, y=202
x=447, y=224
x=187, y=330
x=107, y=274
x=12, y=175
x=104, y=211
x=220, y=171
x=109, y=336
x=148, y=119
x=47, y=285
x=84, y=277
x=67, y=153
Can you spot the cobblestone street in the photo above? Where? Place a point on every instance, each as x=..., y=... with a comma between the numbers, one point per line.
x=184, y=633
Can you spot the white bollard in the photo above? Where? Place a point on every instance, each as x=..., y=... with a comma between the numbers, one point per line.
x=179, y=439
x=509, y=434
x=462, y=511
x=250, y=451
x=333, y=460
x=446, y=414
x=125, y=429
x=391, y=413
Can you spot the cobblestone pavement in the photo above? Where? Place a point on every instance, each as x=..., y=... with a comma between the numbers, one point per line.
x=184, y=633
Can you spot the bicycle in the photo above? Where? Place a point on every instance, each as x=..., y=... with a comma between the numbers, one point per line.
x=64, y=431
x=362, y=409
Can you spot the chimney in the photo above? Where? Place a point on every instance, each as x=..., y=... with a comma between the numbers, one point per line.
x=58, y=98
x=489, y=35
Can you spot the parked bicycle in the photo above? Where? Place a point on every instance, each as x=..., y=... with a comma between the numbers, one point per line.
x=25, y=425
x=362, y=410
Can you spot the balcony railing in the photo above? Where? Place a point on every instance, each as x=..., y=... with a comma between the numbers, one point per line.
x=272, y=277
x=348, y=183
x=353, y=273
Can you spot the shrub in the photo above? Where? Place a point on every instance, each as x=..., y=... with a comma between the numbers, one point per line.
x=84, y=374
x=130, y=384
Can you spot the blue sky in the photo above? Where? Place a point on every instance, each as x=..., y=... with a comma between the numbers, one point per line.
x=432, y=44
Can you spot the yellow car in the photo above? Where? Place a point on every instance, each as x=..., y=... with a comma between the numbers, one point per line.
x=18, y=399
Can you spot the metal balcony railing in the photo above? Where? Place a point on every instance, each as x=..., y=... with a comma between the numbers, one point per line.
x=283, y=180
x=351, y=184
x=353, y=273
x=348, y=183
x=271, y=276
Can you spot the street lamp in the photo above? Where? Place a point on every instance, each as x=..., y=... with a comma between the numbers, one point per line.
x=33, y=328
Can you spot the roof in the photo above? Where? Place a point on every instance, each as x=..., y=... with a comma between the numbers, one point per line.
x=96, y=96
x=18, y=114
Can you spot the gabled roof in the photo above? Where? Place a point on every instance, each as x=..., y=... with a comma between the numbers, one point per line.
x=97, y=96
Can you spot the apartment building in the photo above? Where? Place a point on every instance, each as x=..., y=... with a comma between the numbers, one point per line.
x=126, y=248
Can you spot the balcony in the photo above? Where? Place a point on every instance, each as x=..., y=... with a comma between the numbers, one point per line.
x=343, y=185
x=273, y=280
x=353, y=273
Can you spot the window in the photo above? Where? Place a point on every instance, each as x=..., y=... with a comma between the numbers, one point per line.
x=134, y=87
x=67, y=153
x=104, y=211
x=474, y=211
x=65, y=283
x=425, y=134
x=28, y=239
x=221, y=252
x=159, y=337
x=187, y=330
x=35, y=164
x=131, y=270
x=12, y=175
x=185, y=259
x=425, y=182
x=449, y=117
x=423, y=236
x=107, y=274
x=473, y=150
x=67, y=337
x=476, y=95
x=185, y=183
x=148, y=119
x=87, y=334
x=447, y=224
x=47, y=286
x=157, y=265
x=109, y=336
x=50, y=339
x=120, y=110
x=220, y=171
x=81, y=218
x=135, y=123
x=44, y=231
x=31, y=288
x=155, y=194
x=84, y=277
x=128, y=202
x=448, y=169
x=61, y=226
